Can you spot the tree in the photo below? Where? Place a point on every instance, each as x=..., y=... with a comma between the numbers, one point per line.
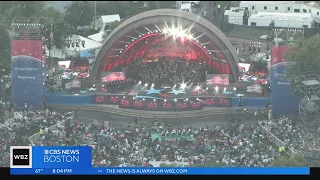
x=59, y=25
x=124, y=9
x=303, y=57
x=5, y=48
x=294, y=161
x=114, y=24
x=79, y=13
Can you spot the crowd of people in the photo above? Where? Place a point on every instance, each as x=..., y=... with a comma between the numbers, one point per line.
x=16, y=130
x=297, y=136
x=168, y=71
x=233, y=144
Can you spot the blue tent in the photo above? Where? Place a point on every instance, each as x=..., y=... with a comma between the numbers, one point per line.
x=85, y=54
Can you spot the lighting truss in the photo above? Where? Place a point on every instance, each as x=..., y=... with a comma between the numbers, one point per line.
x=73, y=42
x=175, y=32
x=27, y=28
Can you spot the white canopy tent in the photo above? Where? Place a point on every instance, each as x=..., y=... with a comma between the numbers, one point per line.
x=97, y=37
x=89, y=44
x=108, y=19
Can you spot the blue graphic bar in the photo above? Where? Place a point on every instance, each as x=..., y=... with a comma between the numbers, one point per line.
x=160, y=171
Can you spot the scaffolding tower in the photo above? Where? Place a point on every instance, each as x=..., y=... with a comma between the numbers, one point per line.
x=27, y=28
x=308, y=87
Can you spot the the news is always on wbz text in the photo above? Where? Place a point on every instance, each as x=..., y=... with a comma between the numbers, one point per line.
x=147, y=171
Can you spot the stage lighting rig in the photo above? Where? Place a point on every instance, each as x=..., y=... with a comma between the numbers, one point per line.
x=74, y=42
x=27, y=28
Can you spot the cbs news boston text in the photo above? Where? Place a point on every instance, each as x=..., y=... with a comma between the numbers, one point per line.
x=77, y=160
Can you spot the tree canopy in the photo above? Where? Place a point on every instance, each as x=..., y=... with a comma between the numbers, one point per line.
x=303, y=57
x=78, y=13
x=5, y=49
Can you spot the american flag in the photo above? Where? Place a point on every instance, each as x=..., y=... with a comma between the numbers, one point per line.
x=51, y=38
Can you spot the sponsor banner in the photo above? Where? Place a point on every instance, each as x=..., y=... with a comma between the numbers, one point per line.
x=217, y=79
x=28, y=73
x=75, y=83
x=112, y=76
x=255, y=89
x=277, y=54
x=282, y=98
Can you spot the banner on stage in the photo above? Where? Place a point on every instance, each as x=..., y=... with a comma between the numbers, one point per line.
x=112, y=76
x=217, y=79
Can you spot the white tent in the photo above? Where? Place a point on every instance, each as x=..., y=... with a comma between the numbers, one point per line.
x=89, y=44
x=97, y=37
x=108, y=19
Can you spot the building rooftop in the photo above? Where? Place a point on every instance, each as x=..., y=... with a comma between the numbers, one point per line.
x=282, y=16
x=313, y=4
x=270, y=2
x=110, y=18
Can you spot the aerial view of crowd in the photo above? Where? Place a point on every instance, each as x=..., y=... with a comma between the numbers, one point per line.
x=232, y=144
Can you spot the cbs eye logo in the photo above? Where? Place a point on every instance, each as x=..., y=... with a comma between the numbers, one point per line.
x=20, y=157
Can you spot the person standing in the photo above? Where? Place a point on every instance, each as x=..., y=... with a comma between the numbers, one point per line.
x=219, y=9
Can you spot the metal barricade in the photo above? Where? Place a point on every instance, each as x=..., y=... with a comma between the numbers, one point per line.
x=37, y=136
x=277, y=141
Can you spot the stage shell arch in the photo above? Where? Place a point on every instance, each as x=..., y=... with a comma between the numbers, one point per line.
x=115, y=40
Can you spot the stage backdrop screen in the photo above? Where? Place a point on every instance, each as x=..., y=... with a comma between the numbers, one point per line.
x=217, y=79
x=112, y=76
x=28, y=73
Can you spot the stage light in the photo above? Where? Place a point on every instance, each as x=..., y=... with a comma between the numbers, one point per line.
x=146, y=84
x=154, y=99
x=216, y=88
x=102, y=85
x=123, y=97
x=165, y=100
x=183, y=85
x=198, y=88
x=133, y=97
x=140, y=82
x=143, y=99
x=175, y=100
x=234, y=88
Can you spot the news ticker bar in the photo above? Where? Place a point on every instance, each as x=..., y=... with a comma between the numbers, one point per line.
x=160, y=171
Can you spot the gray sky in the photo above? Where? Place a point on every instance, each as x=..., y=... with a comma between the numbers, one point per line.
x=59, y=5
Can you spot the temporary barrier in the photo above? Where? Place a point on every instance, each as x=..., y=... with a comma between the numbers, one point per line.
x=250, y=102
x=67, y=99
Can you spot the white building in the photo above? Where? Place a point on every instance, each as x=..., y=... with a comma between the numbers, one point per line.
x=298, y=7
x=235, y=15
x=281, y=20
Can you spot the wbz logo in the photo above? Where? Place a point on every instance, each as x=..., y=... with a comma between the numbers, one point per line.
x=20, y=157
